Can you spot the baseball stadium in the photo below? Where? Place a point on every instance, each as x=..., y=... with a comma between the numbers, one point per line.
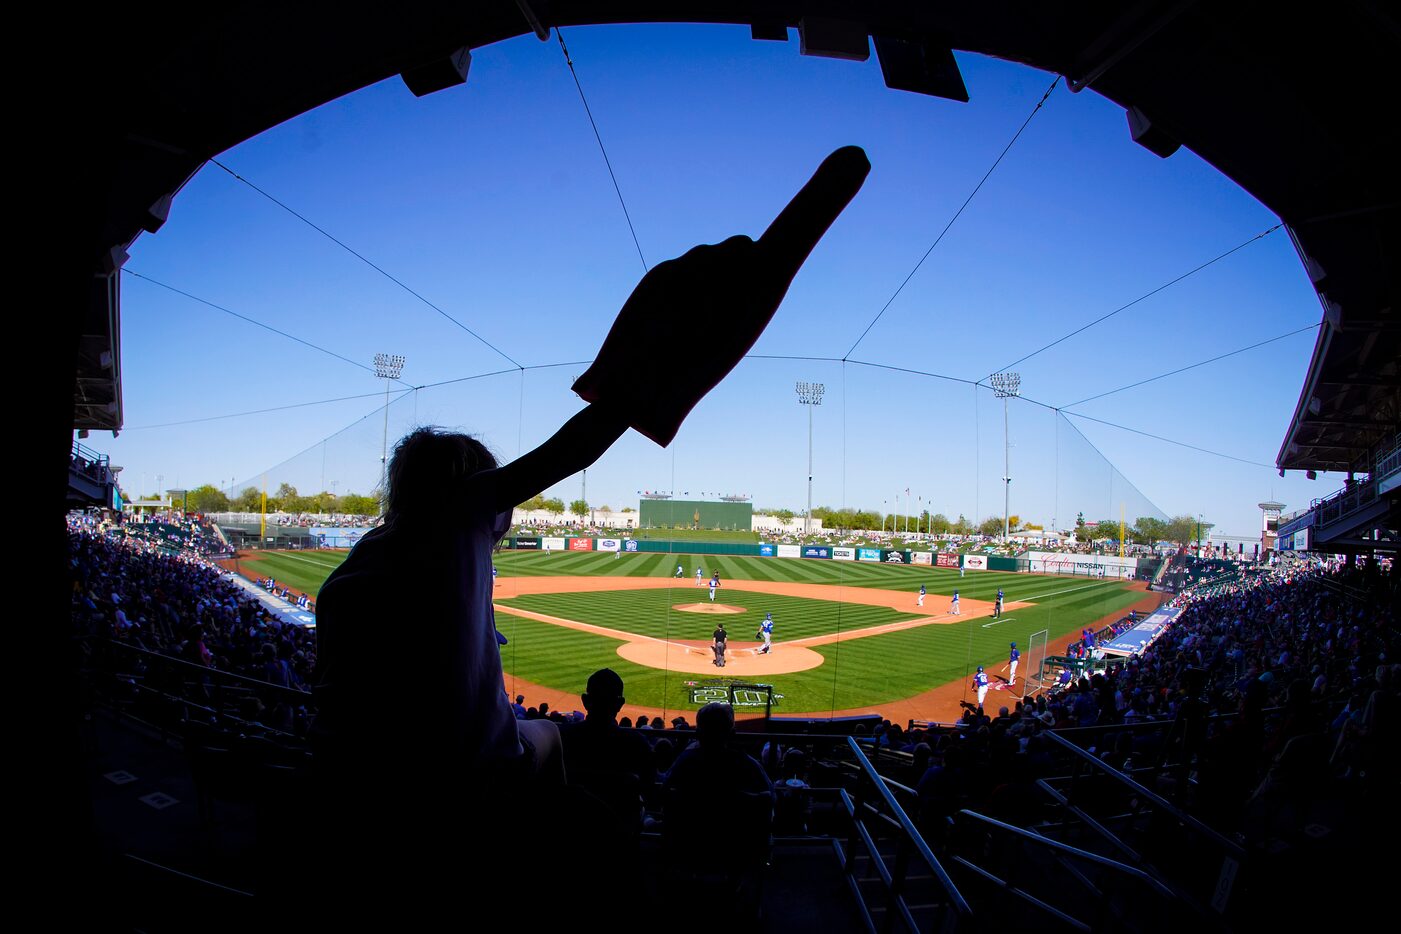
x=752, y=466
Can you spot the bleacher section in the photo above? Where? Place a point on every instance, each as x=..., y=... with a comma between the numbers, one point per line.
x=1175, y=790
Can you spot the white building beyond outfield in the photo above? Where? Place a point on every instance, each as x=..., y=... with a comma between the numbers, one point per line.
x=608, y=519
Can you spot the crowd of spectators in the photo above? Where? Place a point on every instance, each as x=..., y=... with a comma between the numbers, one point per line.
x=307, y=520
x=173, y=531
x=137, y=592
x=1310, y=675
x=1266, y=680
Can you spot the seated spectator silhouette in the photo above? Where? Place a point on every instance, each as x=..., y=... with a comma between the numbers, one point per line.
x=714, y=787
x=614, y=764
x=412, y=760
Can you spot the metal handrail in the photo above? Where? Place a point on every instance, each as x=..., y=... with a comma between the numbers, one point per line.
x=1156, y=884
x=300, y=697
x=1104, y=832
x=1230, y=846
x=956, y=899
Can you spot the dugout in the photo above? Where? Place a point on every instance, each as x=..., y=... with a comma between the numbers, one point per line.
x=695, y=514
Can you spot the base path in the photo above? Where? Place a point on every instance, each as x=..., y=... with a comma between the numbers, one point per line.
x=743, y=659
x=940, y=705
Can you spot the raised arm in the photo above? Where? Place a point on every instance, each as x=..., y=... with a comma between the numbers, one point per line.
x=581, y=441
x=732, y=289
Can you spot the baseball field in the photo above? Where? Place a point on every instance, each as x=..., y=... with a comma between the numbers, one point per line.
x=848, y=636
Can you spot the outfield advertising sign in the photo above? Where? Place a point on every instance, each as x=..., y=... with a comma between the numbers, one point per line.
x=894, y=556
x=842, y=553
x=630, y=544
x=766, y=550
x=975, y=562
x=532, y=544
x=552, y=544
x=868, y=554
x=945, y=560
x=816, y=551
x=581, y=544
x=921, y=557
x=609, y=544
x=790, y=551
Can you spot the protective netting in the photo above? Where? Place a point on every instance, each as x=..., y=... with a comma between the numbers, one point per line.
x=851, y=631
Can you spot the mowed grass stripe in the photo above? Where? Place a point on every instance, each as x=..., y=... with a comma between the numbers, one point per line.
x=981, y=585
x=651, y=613
x=857, y=673
x=295, y=571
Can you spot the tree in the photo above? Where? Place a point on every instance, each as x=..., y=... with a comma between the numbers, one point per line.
x=554, y=505
x=845, y=518
x=962, y=526
x=1182, y=529
x=579, y=508
x=250, y=500
x=535, y=502
x=1148, y=530
x=991, y=526
x=356, y=505
x=207, y=498
x=628, y=509
x=1014, y=522
x=784, y=515
x=940, y=524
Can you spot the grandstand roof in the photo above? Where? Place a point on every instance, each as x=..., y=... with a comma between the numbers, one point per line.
x=1351, y=398
x=1263, y=100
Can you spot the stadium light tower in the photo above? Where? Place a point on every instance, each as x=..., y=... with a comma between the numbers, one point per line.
x=810, y=395
x=387, y=367
x=1005, y=386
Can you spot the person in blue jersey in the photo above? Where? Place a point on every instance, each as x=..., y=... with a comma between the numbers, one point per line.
x=714, y=582
x=997, y=607
x=953, y=605
x=493, y=575
x=1013, y=656
x=680, y=571
x=766, y=633
x=922, y=592
x=980, y=684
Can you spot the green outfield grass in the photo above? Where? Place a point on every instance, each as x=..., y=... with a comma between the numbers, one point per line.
x=650, y=613
x=303, y=571
x=978, y=584
x=857, y=673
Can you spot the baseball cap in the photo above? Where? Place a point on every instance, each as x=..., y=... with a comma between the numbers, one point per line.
x=980, y=667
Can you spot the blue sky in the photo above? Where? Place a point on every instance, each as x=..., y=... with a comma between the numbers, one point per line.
x=493, y=201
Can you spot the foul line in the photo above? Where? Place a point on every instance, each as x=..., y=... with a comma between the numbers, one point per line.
x=287, y=554
x=1054, y=593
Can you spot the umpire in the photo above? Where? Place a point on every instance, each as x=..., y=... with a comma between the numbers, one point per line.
x=720, y=638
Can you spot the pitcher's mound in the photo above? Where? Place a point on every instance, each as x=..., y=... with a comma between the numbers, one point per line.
x=708, y=607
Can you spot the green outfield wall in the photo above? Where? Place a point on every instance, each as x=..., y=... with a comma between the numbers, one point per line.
x=695, y=514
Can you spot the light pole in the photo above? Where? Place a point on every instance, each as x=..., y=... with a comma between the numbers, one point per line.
x=387, y=367
x=810, y=395
x=1004, y=387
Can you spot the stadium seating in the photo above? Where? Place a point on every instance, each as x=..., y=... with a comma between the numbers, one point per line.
x=1123, y=800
